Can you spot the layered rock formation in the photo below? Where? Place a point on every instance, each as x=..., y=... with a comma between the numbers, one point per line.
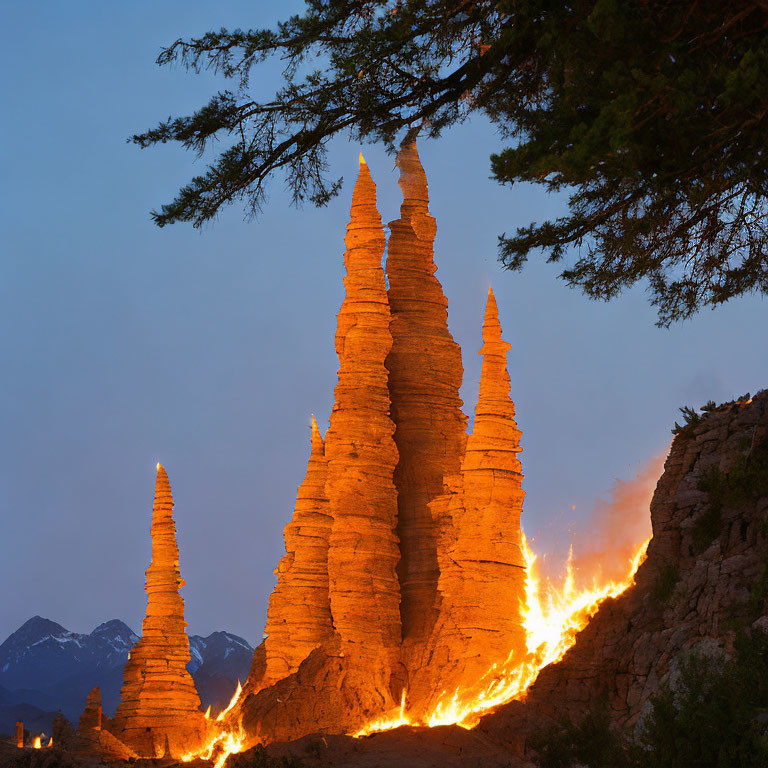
x=91, y=738
x=425, y=373
x=482, y=571
x=419, y=533
x=354, y=671
x=299, y=614
x=158, y=701
x=699, y=585
x=359, y=449
x=91, y=717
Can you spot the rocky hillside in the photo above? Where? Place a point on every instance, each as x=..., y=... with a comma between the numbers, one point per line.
x=705, y=578
x=45, y=667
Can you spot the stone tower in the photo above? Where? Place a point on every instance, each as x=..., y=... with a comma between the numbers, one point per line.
x=159, y=704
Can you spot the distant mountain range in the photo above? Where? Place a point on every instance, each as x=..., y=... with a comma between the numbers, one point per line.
x=45, y=668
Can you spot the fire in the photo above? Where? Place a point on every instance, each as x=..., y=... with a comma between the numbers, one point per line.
x=226, y=742
x=231, y=704
x=386, y=723
x=50, y=742
x=552, y=616
x=220, y=747
x=37, y=743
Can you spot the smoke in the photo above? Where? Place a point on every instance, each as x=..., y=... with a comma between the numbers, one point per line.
x=618, y=523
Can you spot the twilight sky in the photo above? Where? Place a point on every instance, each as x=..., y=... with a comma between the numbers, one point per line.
x=123, y=344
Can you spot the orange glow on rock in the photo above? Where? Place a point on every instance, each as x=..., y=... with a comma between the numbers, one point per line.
x=552, y=616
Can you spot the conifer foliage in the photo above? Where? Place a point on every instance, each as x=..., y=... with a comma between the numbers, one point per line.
x=650, y=114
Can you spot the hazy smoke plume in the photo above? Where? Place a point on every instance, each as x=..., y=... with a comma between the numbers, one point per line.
x=603, y=544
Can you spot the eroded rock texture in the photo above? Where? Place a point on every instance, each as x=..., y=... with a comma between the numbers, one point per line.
x=299, y=614
x=158, y=700
x=359, y=448
x=695, y=588
x=482, y=570
x=425, y=374
x=91, y=717
x=424, y=567
x=355, y=673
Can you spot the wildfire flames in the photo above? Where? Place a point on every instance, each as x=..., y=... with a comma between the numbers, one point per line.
x=552, y=615
x=225, y=743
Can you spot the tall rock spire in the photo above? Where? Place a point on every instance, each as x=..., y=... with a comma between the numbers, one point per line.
x=359, y=449
x=299, y=615
x=425, y=374
x=158, y=700
x=482, y=569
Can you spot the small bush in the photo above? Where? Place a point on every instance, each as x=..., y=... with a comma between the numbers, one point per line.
x=691, y=419
x=666, y=583
x=745, y=482
x=710, y=720
x=592, y=743
x=707, y=528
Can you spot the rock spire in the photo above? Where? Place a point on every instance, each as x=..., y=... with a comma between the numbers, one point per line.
x=299, y=614
x=425, y=374
x=419, y=524
x=359, y=448
x=482, y=569
x=158, y=700
x=91, y=717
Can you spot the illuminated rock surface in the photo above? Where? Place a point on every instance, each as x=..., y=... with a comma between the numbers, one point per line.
x=91, y=717
x=425, y=374
x=355, y=673
x=395, y=565
x=697, y=584
x=299, y=615
x=482, y=571
x=359, y=448
x=158, y=700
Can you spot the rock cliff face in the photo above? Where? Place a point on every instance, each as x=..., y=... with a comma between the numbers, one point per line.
x=159, y=704
x=705, y=575
x=418, y=526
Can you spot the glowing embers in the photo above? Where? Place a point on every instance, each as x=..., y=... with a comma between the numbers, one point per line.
x=552, y=616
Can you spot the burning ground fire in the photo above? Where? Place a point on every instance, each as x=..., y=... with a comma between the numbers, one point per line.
x=225, y=743
x=553, y=615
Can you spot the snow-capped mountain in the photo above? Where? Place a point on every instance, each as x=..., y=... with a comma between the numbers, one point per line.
x=46, y=667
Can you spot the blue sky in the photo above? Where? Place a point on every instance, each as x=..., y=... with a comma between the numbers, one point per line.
x=123, y=344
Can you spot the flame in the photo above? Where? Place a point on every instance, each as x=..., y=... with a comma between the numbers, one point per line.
x=226, y=742
x=36, y=743
x=231, y=704
x=50, y=742
x=552, y=617
x=220, y=747
x=362, y=160
x=386, y=723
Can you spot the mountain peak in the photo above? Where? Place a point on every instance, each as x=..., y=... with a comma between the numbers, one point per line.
x=113, y=627
x=32, y=630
